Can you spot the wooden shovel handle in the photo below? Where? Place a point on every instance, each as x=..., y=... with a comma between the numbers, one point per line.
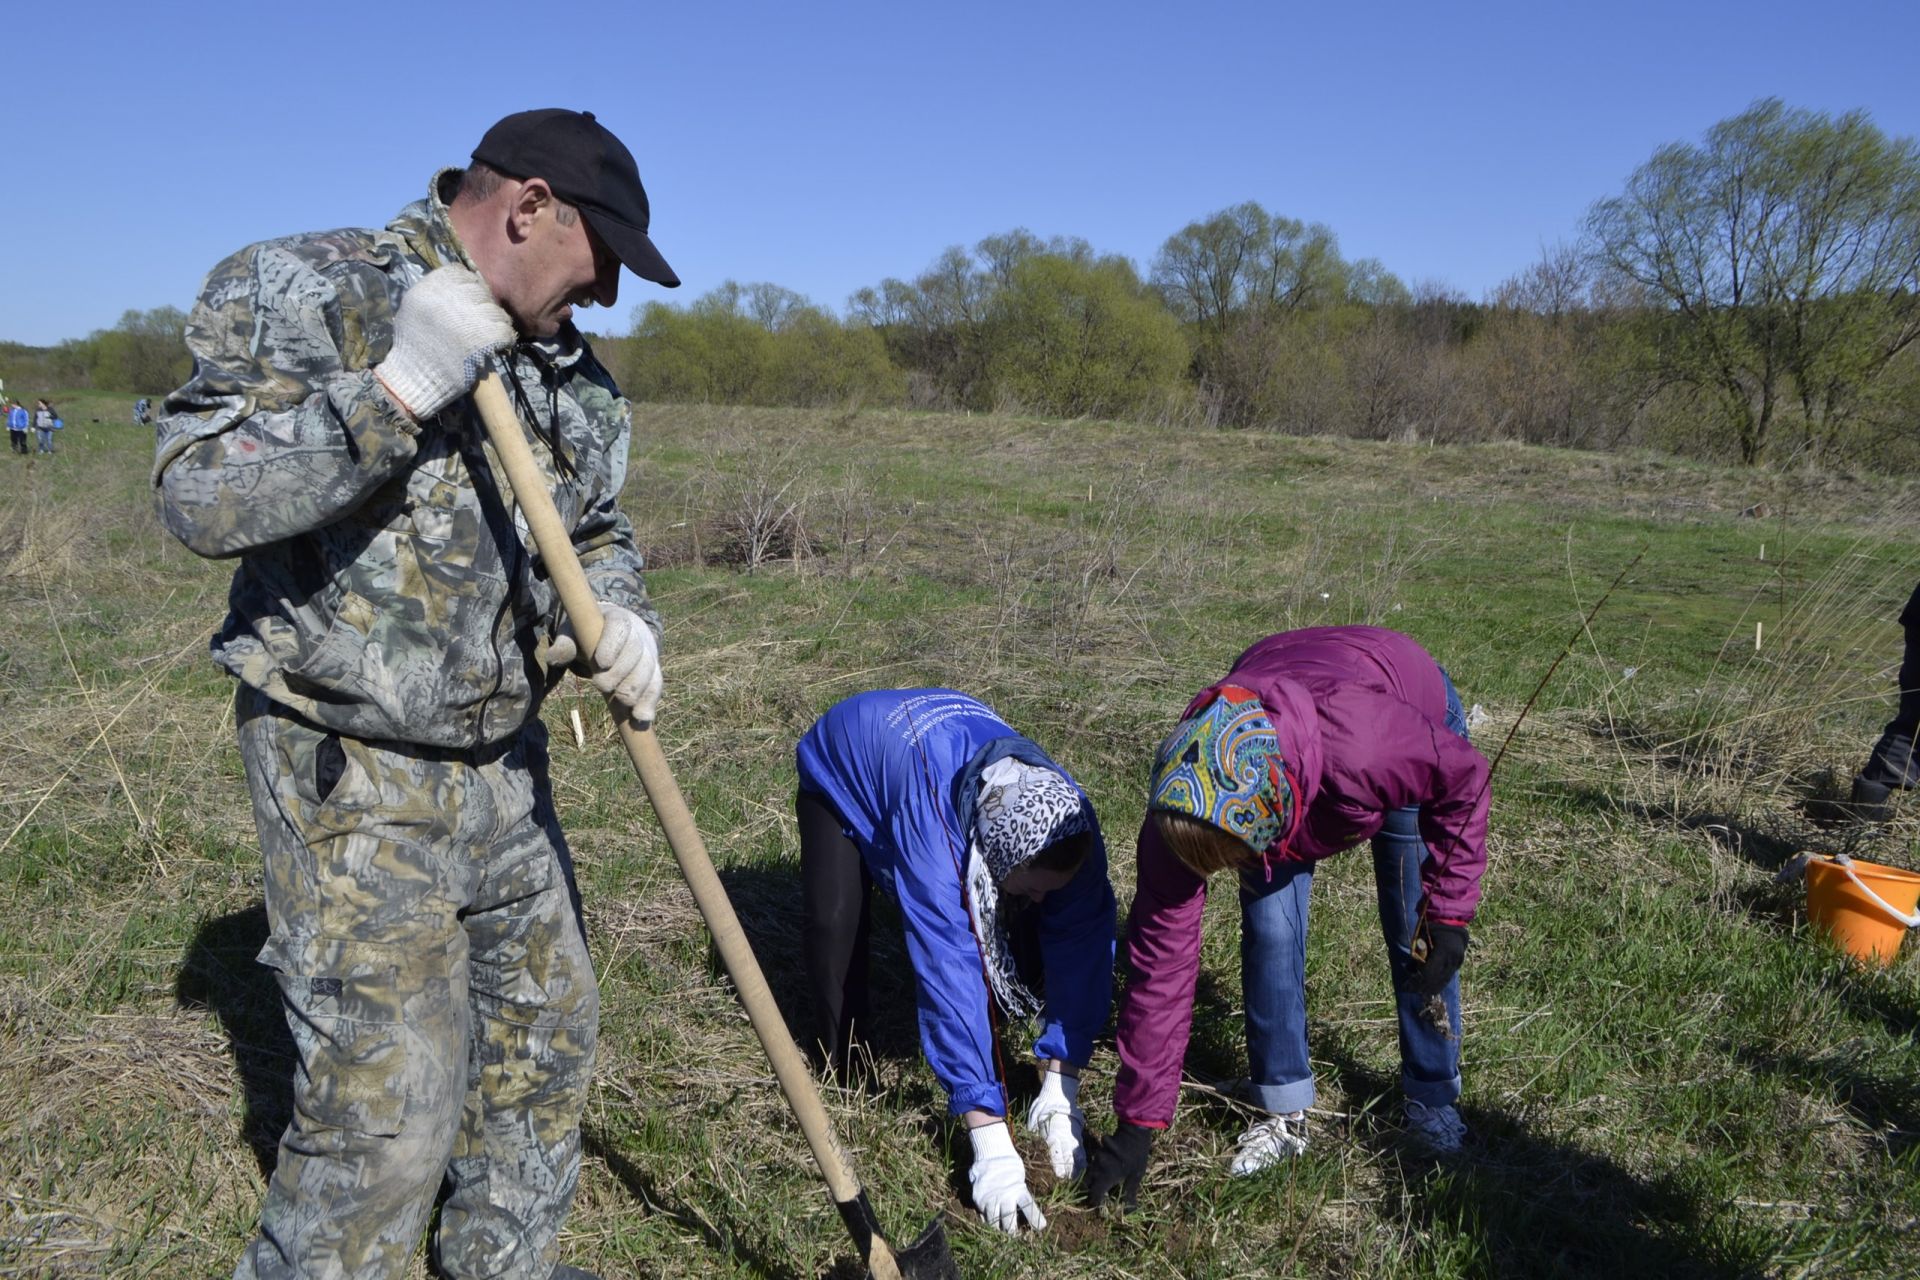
x=563, y=568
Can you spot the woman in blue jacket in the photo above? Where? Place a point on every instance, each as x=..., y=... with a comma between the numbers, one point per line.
x=987, y=845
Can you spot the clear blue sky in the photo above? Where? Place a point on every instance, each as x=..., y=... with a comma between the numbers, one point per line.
x=827, y=146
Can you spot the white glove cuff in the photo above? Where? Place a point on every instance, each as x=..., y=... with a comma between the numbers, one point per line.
x=1058, y=1086
x=414, y=384
x=1059, y=1096
x=992, y=1141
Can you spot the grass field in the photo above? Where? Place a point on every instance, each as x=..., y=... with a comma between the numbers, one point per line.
x=1666, y=1073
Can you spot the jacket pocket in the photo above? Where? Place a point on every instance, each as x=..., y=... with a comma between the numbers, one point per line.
x=433, y=506
x=335, y=659
x=329, y=763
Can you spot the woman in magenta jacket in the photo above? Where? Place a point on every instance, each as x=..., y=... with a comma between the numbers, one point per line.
x=1315, y=741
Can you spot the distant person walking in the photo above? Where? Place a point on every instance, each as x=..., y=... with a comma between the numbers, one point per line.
x=142, y=413
x=46, y=420
x=17, y=421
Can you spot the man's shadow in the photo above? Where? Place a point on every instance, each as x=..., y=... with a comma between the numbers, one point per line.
x=220, y=974
x=726, y=1239
x=766, y=898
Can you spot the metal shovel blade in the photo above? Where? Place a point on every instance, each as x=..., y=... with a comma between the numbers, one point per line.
x=929, y=1257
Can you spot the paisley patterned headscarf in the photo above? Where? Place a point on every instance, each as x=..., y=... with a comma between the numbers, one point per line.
x=1023, y=808
x=1224, y=767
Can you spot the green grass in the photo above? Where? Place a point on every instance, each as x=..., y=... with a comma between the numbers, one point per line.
x=1666, y=1073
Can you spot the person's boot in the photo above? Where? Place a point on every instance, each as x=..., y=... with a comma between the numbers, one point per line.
x=1870, y=801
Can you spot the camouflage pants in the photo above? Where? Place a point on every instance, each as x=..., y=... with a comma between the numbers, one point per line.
x=427, y=943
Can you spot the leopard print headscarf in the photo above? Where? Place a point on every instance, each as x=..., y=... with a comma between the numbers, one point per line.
x=1023, y=808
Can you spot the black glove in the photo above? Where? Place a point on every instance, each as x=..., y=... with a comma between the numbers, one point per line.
x=1119, y=1161
x=1438, y=949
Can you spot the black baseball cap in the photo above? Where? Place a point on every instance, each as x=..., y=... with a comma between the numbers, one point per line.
x=590, y=169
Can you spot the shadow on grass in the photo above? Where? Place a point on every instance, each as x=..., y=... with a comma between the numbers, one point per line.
x=1766, y=847
x=767, y=900
x=724, y=1238
x=1872, y=998
x=1819, y=795
x=1537, y=1206
x=219, y=974
x=1885, y=1101
x=1718, y=753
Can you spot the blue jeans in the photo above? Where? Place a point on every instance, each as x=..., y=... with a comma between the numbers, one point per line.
x=1273, y=968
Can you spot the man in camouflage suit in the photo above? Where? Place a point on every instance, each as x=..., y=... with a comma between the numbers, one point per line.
x=393, y=633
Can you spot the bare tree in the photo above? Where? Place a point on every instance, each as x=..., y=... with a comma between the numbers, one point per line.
x=773, y=306
x=1784, y=253
x=1245, y=260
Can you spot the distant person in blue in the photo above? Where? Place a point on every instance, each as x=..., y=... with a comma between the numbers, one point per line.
x=994, y=854
x=46, y=421
x=142, y=412
x=17, y=424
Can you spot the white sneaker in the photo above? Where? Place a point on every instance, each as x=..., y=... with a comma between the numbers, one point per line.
x=1438, y=1131
x=1267, y=1143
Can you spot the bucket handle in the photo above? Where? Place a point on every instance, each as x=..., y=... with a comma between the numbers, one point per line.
x=1846, y=864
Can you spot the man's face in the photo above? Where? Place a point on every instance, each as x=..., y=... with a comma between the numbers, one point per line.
x=560, y=267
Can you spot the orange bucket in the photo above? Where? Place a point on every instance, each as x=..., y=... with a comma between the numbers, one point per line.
x=1866, y=908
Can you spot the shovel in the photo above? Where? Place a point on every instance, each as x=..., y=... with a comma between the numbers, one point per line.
x=928, y=1257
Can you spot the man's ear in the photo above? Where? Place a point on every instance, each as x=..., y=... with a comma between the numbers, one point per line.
x=532, y=196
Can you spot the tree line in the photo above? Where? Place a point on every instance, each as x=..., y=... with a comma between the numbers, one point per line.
x=1754, y=296
x=144, y=354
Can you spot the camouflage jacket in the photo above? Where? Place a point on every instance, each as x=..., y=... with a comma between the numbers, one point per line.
x=387, y=586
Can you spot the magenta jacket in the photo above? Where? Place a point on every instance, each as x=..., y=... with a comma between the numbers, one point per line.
x=1361, y=713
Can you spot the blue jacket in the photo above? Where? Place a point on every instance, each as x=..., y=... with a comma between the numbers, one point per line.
x=901, y=767
x=17, y=419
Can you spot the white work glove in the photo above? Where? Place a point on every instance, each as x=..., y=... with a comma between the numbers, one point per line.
x=1000, y=1181
x=1056, y=1116
x=445, y=329
x=626, y=662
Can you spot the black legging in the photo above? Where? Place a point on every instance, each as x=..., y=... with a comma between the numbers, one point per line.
x=836, y=900
x=836, y=895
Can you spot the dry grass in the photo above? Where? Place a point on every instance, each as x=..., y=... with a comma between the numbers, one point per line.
x=1665, y=1075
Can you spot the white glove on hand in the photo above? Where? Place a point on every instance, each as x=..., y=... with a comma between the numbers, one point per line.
x=1056, y=1116
x=626, y=662
x=1000, y=1181
x=444, y=330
